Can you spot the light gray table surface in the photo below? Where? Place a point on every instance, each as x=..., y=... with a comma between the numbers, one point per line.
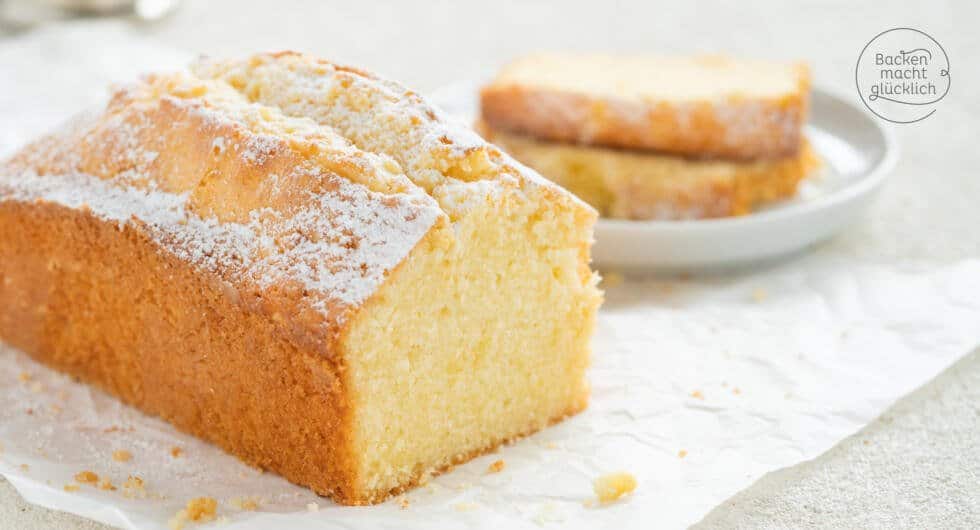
x=935, y=188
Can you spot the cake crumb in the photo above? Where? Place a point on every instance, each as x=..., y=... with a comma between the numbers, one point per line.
x=465, y=506
x=72, y=487
x=24, y=377
x=611, y=487
x=106, y=484
x=122, y=455
x=759, y=295
x=312, y=507
x=866, y=442
x=736, y=391
x=697, y=394
x=25, y=467
x=86, y=477
x=403, y=502
x=682, y=453
x=134, y=487
x=200, y=509
x=176, y=452
x=246, y=504
x=496, y=467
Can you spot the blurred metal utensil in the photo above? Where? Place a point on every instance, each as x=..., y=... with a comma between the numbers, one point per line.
x=22, y=14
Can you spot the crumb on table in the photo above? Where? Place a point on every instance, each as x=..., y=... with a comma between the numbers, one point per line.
x=613, y=486
x=134, y=487
x=312, y=507
x=86, y=477
x=71, y=487
x=697, y=394
x=176, y=451
x=106, y=484
x=496, y=467
x=200, y=509
x=682, y=453
x=122, y=455
x=246, y=504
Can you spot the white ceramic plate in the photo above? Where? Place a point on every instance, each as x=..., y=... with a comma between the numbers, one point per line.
x=857, y=152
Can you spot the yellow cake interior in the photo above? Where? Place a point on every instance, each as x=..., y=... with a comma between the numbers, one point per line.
x=481, y=336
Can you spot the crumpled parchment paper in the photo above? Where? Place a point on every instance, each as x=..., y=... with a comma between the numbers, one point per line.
x=700, y=386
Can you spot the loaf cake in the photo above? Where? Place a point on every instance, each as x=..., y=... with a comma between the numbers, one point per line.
x=639, y=185
x=304, y=264
x=655, y=137
x=706, y=106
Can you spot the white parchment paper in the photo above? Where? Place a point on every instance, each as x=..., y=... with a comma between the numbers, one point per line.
x=700, y=386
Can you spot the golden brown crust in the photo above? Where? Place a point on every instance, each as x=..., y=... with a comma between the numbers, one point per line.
x=166, y=134
x=108, y=305
x=739, y=191
x=738, y=128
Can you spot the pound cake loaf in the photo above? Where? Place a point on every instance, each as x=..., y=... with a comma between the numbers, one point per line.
x=641, y=185
x=304, y=264
x=692, y=106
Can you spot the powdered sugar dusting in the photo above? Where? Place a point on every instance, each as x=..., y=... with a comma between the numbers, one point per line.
x=379, y=116
x=338, y=248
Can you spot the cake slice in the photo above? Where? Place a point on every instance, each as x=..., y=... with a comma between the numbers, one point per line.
x=692, y=106
x=644, y=185
x=305, y=265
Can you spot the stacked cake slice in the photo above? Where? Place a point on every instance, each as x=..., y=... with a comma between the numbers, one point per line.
x=655, y=137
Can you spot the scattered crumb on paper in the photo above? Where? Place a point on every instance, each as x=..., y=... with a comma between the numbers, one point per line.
x=612, y=487
x=496, y=467
x=86, y=477
x=200, y=509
